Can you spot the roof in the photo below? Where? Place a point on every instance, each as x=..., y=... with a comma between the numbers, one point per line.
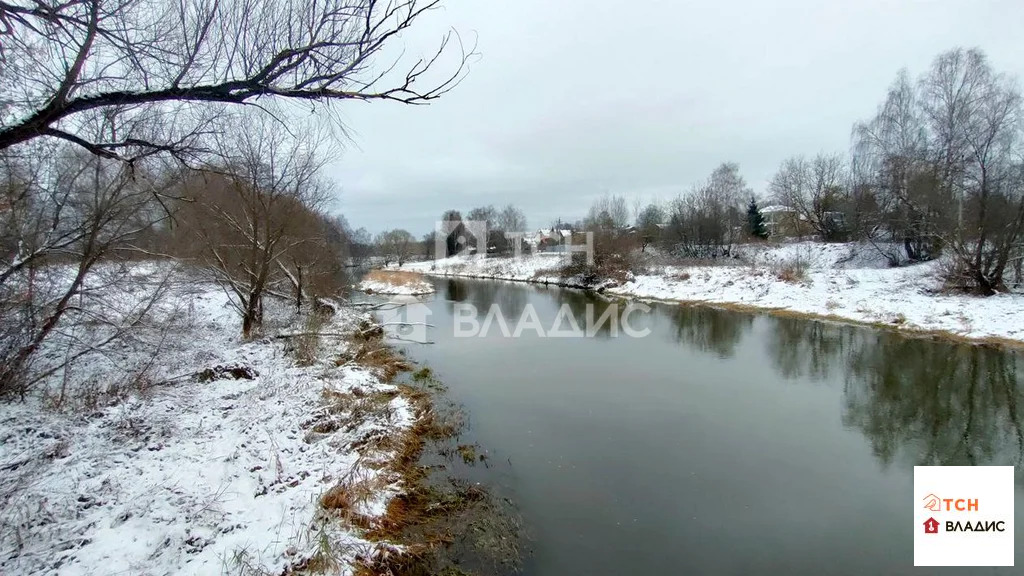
x=776, y=208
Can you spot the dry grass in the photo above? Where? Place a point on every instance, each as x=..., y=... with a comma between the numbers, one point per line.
x=396, y=277
x=307, y=345
x=793, y=271
x=396, y=455
x=426, y=517
x=368, y=349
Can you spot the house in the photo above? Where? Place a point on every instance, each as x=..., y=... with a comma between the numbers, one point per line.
x=548, y=239
x=931, y=526
x=783, y=221
x=788, y=222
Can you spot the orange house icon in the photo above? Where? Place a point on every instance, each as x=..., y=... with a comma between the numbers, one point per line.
x=931, y=526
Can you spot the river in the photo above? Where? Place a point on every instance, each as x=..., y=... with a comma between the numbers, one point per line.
x=721, y=442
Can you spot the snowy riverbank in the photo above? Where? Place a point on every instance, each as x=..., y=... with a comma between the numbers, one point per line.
x=847, y=282
x=395, y=283
x=214, y=460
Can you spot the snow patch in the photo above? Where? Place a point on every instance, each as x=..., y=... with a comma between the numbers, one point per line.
x=189, y=477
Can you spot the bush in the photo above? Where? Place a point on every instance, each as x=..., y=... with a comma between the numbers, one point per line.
x=960, y=276
x=793, y=270
x=307, y=345
x=612, y=260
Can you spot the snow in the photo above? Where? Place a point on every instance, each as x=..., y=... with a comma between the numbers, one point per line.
x=843, y=281
x=409, y=289
x=776, y=208
x=187, y=477
x=539, y=267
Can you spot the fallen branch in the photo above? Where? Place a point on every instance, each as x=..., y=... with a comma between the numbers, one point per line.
x=344, y=334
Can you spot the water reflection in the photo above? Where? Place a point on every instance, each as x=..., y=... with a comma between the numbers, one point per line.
x=918, y=401
x=929, y=403
x=484, y=295
x=604, y=317
x=710, y=330
x=456, y=290
x=801, y=348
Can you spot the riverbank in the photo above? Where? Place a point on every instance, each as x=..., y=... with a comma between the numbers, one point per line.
x=840, y=282
x=395, y=283
x=193, y=451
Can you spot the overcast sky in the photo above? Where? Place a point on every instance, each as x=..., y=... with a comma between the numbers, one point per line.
x=570, y=99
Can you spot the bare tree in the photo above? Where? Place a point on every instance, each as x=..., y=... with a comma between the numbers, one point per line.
x=697, y=227
x=360, y=245
x=496, y=240
x=484, y=214
x=816, y=189
x=976, y=119
x=510, y=225
x=395, y=246
x=511, y=219
x=609, y=212
x=314, y=269
x=68, y=213
x=895, y=195
x=943, y=164
x=169, y=65
x=728, y=190
x=709, y=220
x=254, y=212
x=649, y=222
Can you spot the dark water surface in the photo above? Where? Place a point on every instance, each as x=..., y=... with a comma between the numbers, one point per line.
x=723, y=442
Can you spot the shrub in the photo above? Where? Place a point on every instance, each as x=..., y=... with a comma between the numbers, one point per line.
x=307, y=344
x=612, y=260
x=793, y=270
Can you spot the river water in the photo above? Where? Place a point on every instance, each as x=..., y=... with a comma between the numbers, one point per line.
x=722, y=442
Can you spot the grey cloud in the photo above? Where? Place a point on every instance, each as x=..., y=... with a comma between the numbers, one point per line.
x=573, y=98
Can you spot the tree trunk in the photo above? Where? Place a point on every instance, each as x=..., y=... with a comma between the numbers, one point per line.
x=252, y=318
x=9, y=374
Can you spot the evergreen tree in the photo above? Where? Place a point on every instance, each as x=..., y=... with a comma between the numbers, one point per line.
x=755, y=220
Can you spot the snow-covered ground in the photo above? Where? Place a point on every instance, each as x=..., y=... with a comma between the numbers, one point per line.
x=395, y=283
x=195, y=477
x=841, y=281
x=541, y=267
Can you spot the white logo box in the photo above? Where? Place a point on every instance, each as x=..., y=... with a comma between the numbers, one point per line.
x=977, y=502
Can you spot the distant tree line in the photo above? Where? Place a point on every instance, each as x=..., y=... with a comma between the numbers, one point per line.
x=503, y=226
x=938, y=171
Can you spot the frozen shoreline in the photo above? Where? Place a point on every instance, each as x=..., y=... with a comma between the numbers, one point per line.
x=843, y=282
